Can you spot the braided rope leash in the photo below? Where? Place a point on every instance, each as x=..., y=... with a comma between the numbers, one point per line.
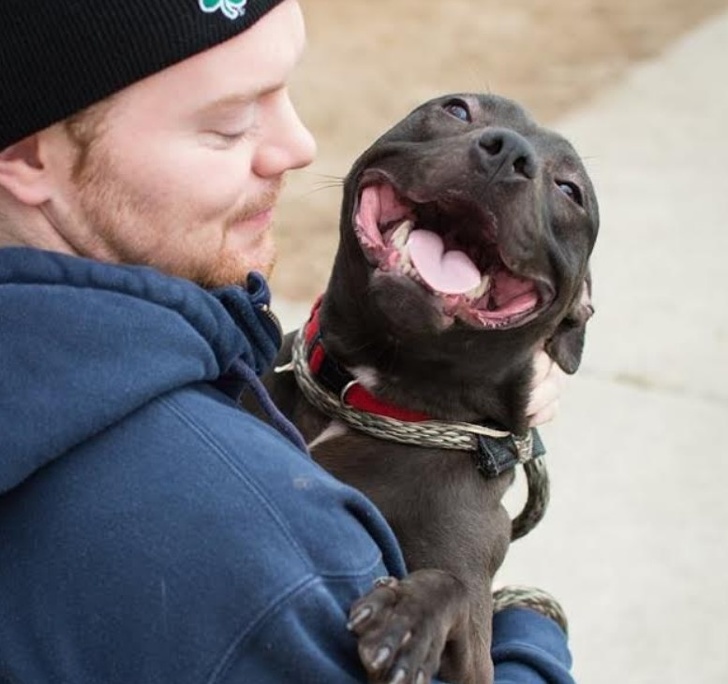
x=516, y=596
x=539, y=488
x=433, y=433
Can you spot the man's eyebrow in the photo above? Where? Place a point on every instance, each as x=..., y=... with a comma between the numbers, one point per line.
x=233, y=101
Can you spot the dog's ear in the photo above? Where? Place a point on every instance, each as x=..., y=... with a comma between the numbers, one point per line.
x=567, y=343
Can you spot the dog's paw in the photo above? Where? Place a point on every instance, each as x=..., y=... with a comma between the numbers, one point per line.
x=403, y=625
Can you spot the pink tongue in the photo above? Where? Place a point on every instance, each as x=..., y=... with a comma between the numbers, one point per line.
x=450, y=272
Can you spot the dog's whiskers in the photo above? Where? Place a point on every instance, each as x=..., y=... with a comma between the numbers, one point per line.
x=329, y=180
x=331, y=176
x=319, y=189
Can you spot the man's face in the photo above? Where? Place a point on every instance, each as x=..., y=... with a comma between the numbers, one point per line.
x=189, y=162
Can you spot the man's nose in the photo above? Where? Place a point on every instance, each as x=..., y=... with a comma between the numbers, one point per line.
x=287, y=143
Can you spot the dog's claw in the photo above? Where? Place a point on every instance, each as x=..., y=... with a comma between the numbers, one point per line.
x=399, y=676
x=359, y=618
x=381, y=657
x=408, y=629
x=385, y=582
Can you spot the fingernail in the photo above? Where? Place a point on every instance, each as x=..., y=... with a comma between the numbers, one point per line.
x=381, y=657
x=421, y=677
x=360, y=616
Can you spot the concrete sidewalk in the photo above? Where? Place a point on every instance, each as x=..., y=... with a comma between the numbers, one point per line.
x=635, y=543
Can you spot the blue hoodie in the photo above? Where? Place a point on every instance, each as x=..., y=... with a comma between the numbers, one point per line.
x=150, y=530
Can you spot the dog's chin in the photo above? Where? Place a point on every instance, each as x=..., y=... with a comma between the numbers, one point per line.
x=447, y=250
x=410, y=311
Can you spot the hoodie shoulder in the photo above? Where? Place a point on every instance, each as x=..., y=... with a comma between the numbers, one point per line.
x=88, y=343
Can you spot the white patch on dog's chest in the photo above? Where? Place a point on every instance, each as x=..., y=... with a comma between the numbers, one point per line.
x=366, y=377
x=333, y=430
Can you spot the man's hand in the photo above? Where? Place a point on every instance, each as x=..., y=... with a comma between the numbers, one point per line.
x=546, y=389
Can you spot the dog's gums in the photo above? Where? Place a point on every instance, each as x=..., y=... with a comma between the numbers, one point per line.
x=449, y=248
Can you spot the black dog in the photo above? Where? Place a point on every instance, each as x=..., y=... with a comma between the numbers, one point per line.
x=465, y=237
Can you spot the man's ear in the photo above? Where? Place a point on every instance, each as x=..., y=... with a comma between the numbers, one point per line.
x=23, y=173
x=567, y=343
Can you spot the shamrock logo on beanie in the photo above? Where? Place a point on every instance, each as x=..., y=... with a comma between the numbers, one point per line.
x=232, y=9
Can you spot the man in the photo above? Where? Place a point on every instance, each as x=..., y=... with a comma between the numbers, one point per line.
x=151, y=531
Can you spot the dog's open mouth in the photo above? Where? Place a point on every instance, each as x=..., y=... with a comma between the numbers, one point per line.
x=448, y=247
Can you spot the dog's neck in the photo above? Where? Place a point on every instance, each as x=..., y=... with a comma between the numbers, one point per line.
x=430, y=391
x=458, y=377
x=354, y=387
x=338, y=394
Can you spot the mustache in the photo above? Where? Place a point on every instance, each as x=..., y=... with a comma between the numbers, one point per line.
x=262, y=203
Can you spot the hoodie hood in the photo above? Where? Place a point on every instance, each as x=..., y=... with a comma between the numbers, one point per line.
x=85, y=343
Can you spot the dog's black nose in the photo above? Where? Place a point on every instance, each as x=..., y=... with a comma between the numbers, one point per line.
x=506, y=155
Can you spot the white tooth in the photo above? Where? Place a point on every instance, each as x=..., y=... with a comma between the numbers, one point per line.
x=405, y=258
x=480, y=290
x=401, y=234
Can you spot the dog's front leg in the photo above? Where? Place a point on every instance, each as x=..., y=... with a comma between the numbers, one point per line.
x=413, y=628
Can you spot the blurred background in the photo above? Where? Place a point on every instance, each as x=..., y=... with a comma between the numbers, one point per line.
x=635, y=542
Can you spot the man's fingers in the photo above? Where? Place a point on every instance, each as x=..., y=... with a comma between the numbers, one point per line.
x=542, y=364
x=547, y=387
x=545, y=415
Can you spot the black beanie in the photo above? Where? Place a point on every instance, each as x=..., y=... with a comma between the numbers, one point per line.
x=57, y=57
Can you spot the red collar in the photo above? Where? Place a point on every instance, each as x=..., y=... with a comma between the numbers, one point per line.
x=321, y=378
x=327, y=372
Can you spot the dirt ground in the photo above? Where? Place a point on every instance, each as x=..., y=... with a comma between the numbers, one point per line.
x=370, y=61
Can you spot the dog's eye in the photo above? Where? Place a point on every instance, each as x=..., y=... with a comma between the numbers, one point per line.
x=572, y=191
x=459, y=110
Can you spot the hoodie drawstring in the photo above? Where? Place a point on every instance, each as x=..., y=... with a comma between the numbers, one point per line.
x=279, y=421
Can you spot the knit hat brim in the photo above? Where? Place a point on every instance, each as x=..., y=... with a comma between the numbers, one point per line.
x=57, y=58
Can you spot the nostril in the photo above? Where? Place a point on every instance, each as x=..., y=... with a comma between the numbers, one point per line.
x=492, y=145
x=522, y=166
